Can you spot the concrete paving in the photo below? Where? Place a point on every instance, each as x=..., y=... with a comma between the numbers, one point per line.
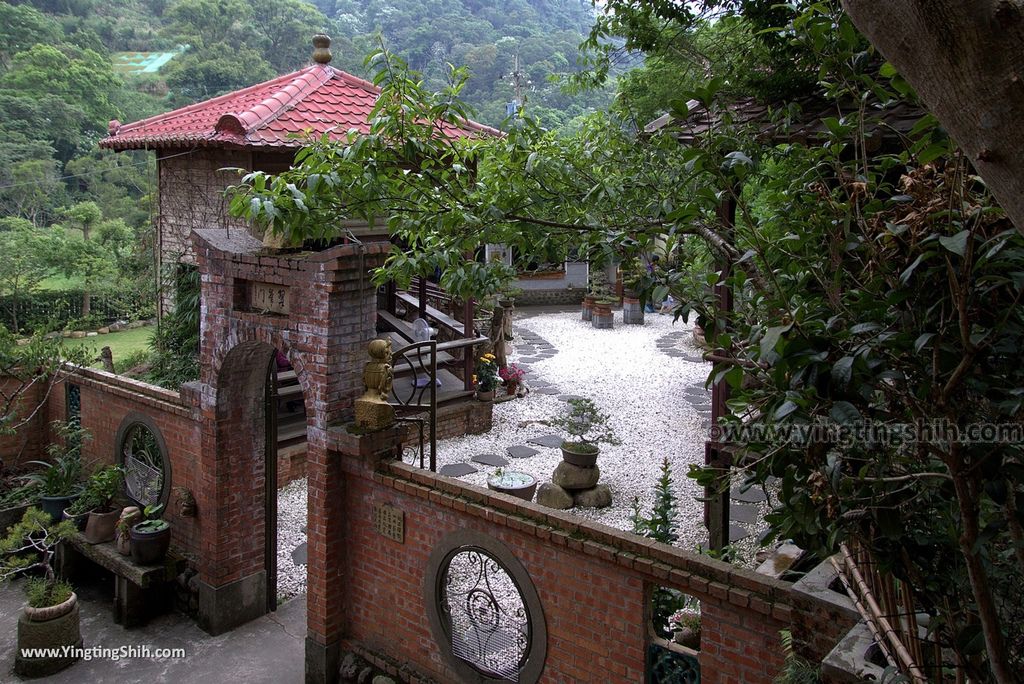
x=269, y=649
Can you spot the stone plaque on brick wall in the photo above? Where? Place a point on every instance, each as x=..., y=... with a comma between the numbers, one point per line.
x=389, y=522
x=269, y=297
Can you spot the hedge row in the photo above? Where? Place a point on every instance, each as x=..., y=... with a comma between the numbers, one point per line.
x=58, y=309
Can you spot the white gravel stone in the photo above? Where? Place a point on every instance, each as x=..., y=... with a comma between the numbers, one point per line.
x=637, y=385
x=291, y=517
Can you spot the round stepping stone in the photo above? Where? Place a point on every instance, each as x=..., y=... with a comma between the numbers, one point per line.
x=548, y=390
x=550, y=441
x=752, y=495
x=490, y=460
x=521, y=451
x=570, y=397
x=457, y=470
x=300, y=554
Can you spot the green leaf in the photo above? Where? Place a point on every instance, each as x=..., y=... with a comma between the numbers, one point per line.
x=787, y=408
x=844, y=413
x=842, y=371
x=771, y=338
x=921, y=341
x=957, y=244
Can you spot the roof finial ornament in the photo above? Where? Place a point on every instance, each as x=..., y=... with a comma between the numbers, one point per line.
x=321, y=48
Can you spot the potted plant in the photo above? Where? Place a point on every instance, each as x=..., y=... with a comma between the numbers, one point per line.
x=513, y=377
x=59, y=481
x=588, y=427
x=102, y=488
x=486, y=377
x=150, y=538
x=522, y=485
x=50, y=618
x=15, y=500
x=685, y=628
x=507, y=297
x=123, y=529
x=603, y=317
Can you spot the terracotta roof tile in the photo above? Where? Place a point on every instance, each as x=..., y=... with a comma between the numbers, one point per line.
x=318, y=98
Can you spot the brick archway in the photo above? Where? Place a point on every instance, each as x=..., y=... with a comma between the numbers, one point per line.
x=322, y=317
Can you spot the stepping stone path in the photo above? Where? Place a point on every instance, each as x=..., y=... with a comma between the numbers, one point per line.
x=532, y=348
x=521, y=451
x=551, y=441
x=490, y=460
x=744, y=512
x=300, y=554
x=457, y=470
x=570, y=397
x=679, y=344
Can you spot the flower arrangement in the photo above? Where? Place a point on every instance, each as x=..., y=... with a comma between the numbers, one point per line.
x=486, y=373
x=512, y=373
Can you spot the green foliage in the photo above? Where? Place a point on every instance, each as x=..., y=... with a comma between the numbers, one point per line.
x=102, y=487
x=27, y=368
x=29, y=547
x=175, y=344
x=42, y=594
x=797, y=670
x=587, y=424
x=62, y=475
x=28, y=260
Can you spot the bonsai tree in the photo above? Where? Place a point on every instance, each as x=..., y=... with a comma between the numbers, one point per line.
x=587, y=426
x=28, y=548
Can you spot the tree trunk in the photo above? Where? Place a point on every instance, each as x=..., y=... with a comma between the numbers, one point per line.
x=963, y=57
x=967, y=501
x=86, y=303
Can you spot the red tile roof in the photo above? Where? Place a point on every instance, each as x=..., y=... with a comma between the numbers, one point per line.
x=318, y=98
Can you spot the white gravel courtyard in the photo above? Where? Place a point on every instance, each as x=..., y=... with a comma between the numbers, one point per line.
x=649, y=379
x=628, y=377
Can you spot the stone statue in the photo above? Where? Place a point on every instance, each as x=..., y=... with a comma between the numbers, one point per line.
x=373, y=411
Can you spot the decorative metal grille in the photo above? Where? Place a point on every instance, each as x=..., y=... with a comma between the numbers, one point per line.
x=144, y=465
x=484, y=615
x=74, y=404
x=665, y=666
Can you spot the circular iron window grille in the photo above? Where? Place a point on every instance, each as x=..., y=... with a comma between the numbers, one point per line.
x=143, y=454
x=484, y=611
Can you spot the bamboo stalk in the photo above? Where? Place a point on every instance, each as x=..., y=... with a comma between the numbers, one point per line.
x=899, y=649
x=879, y=639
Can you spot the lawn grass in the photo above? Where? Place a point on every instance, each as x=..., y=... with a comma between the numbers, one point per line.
x=121, y=343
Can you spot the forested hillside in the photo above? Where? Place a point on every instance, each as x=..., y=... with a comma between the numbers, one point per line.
x=59, y=89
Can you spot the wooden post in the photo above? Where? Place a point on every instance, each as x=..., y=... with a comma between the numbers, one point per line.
x=716, y=502
x=468, y=311
x=423, y=298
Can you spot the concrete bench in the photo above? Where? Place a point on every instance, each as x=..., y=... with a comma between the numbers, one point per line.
x=140, y=591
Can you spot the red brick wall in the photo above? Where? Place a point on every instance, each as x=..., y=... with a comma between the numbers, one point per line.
x=106, y=400
x=592, y=581
x=28, y=442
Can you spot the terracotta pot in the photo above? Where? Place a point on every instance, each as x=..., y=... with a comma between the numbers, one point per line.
x=577, y=458
x=100, y=527
x=512, y=387
x=485, y=396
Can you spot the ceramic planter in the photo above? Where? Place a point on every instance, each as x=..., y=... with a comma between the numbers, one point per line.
x=100, y=527
x=79, y=520
x=55, y=505
x=574, y=456
x=522, y=485
x=149, y=548
x=485, y=396
x=52, y=627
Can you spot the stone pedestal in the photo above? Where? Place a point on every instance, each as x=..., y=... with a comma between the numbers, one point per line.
x=573, y=485
x=632, y=311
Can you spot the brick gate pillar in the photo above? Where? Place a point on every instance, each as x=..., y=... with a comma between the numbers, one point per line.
x=320, y=309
